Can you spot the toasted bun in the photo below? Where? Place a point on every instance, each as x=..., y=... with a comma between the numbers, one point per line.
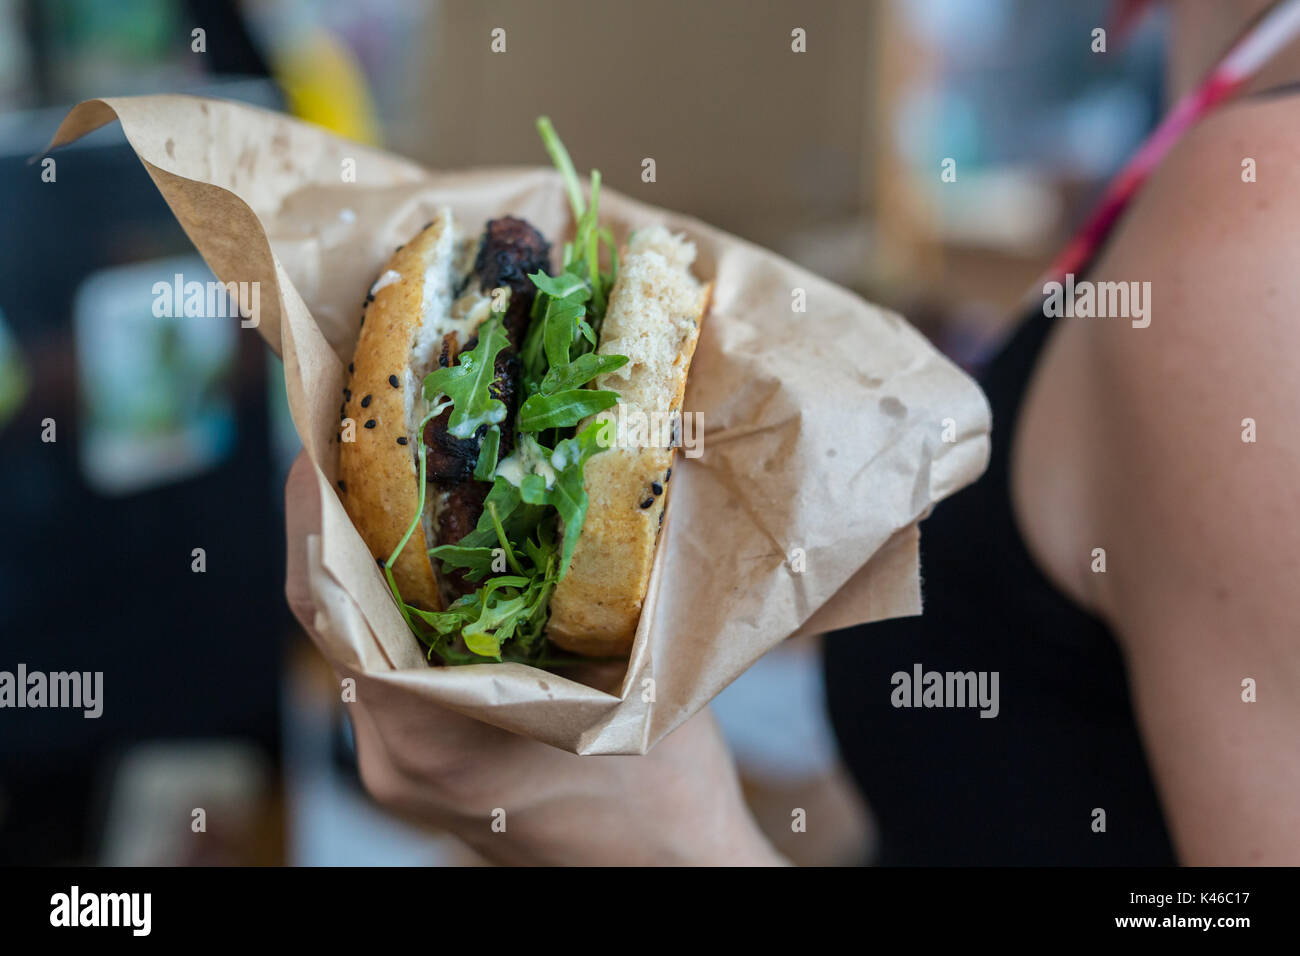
x=654, y=318
x=404, y=320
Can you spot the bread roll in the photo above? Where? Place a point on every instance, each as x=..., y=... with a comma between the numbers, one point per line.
x=405, y=317
x=654, y=319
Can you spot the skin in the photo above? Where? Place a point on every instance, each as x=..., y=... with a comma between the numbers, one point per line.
x=1129, y=440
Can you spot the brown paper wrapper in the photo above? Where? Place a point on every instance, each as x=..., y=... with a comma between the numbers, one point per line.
x=823, y=430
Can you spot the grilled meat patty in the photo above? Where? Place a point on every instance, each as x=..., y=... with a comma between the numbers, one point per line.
x=509, y=251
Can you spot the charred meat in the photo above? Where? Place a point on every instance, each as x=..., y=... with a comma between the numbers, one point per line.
x=509, y=251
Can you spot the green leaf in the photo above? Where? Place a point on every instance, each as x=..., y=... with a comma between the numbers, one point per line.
x=567, y=494
x=497, y=620
x=518, y=519
x=487, y=454
x=533, y=489
x=468, y=383
x=563, y=286
x=563, y=409
x=457, y=556
x=560, y=157
x=579, y=372
x=560, y=324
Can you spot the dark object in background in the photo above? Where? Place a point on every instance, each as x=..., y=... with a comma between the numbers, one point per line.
x=96, y=583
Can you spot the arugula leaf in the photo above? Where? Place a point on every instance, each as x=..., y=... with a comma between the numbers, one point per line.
x=476, y=562
x=518, y=518
x=579, y=372
x=559, y=326
x=566, y=493
x=563, y=286
x=560, y=157
x=487, y=454
x=563, y=409
x=468, y=383
x=497, y=618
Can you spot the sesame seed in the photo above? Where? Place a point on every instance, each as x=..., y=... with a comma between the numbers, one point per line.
x=392, y=380
x=342, y=485
x=363, y=318
x=379, y=561
x=370, y=297
x=347, y=394
x=352, y=367
x=657, y=488
x=371, y=423
x=647, y=503
x=401, y=440
x=400, y=248
x=668, y=474
x=365, y=402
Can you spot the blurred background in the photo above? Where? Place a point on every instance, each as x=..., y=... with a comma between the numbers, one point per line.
x=172, y=434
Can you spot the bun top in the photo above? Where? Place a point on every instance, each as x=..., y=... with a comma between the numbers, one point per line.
x=379, y=471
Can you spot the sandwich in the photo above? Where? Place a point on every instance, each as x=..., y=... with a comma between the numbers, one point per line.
x=486, y=456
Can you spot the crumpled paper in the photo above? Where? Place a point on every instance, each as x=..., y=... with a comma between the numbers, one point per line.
x=823, y=443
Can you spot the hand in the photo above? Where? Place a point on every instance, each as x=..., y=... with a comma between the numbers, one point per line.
x=679, y=804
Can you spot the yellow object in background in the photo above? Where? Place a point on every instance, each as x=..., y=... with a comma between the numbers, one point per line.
x=325, y=85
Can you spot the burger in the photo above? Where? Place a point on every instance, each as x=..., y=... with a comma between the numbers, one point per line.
x=485, y=455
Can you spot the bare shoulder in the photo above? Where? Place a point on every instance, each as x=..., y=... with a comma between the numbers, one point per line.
x=1177, y=440
x=1194, y=461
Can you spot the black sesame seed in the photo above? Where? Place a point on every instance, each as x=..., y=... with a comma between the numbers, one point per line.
x=392, y=380
x=371, y=423
x=352, y=367
x=656, y=487
x=370, y=297
x=401, y=440
x=363, y=318
x=400, y=248
x=365, y=402
x=379, y=561
x=668, y=474
x=342, y=485
x=647, y=503
x=347, y=394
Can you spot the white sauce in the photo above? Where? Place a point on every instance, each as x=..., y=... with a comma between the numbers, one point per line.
x=526, y=460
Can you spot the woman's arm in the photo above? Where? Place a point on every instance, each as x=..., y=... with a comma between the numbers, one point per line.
x=680, y=804
x=1201, y=528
